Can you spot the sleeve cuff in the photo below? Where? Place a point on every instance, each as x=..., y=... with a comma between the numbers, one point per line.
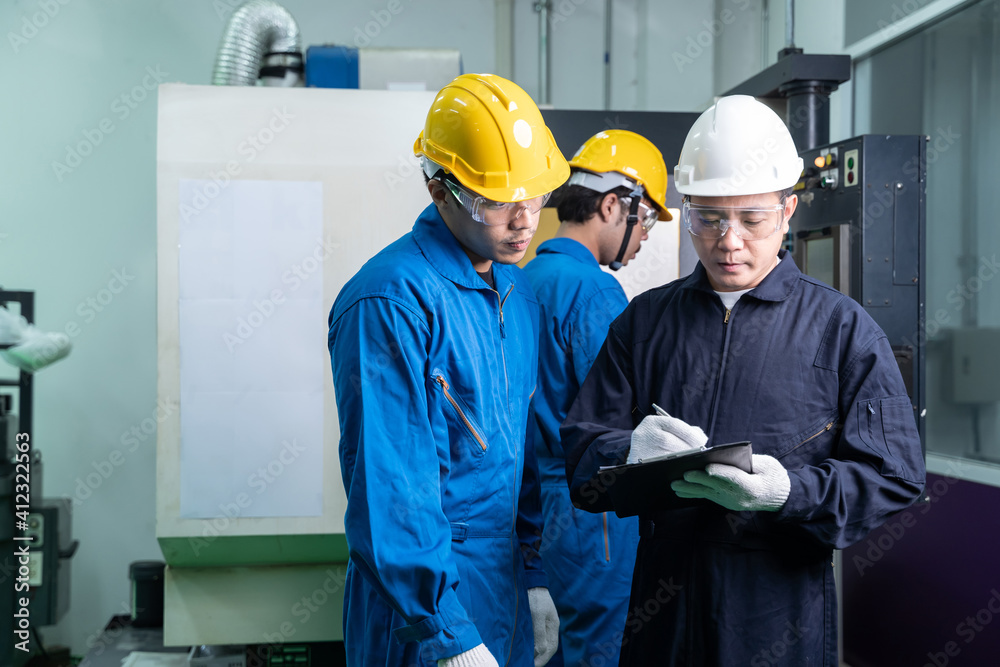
x=443, y=635
x=790, y=511
x=536, y=578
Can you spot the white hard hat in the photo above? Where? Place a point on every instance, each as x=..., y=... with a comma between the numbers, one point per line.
x=737, y=147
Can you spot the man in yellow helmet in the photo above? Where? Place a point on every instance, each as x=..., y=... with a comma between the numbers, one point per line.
x=615, y=195
x=434, y=351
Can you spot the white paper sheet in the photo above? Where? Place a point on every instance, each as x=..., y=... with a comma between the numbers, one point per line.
x=149, y=659
x=251, y=388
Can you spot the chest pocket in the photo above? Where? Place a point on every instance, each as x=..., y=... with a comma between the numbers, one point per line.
x=462, y=426
x=812, y=444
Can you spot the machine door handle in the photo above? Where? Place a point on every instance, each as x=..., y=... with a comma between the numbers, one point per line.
x=68, y=553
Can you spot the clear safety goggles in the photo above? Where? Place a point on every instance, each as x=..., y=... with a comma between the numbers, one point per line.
x=489, y=212
x=605, y=182
x=750, y=224
x=647, y=214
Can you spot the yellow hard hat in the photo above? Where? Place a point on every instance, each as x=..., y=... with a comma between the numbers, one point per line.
x=627, y=153
x=489, y=133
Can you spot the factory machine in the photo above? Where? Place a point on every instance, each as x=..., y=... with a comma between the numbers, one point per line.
x=36, y=542
x=860, y=228
x=860, y=222
x=252, y=253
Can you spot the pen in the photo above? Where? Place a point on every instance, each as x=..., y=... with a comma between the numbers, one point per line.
x=660, y=411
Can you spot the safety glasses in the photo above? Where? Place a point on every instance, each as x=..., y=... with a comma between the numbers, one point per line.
x=750, y=224
x=489, y=212
x=647, y=214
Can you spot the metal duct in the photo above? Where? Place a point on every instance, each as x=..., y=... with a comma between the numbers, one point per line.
x=256, y=28
x=544, y=52
x=790, y=24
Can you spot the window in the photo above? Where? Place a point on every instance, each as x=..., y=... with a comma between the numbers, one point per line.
x=944, y=81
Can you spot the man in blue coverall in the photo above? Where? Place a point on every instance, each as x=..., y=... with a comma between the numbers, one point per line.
x=616, y=193
x=745, y=348
x=434, y=351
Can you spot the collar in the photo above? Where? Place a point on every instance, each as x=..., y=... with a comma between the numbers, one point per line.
x=777, y=285
x=567, y=246
x=446, y=255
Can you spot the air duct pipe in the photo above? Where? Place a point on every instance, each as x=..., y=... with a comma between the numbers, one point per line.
x=261, y=40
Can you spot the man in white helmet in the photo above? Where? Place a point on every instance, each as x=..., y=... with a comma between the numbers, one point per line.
x=434, y=351
x=745, y=348
x=616, y=193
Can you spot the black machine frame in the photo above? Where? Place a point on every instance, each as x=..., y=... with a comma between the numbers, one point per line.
x=868, y=200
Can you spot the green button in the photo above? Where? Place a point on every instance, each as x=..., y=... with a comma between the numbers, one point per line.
x=850, y=163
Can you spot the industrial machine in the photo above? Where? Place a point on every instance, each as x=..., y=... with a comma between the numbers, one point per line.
x=263, y=532
x=36, y=542
x=859, y=227
x=860, y=222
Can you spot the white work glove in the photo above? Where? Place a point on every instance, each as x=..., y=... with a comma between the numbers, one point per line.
x=32, y=349
x=545, y=619
x=657, y=435
x=477, y=656
x=766, y=490
x=12, y=327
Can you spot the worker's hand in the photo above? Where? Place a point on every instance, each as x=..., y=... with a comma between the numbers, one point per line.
x=765, y=490
x=546, y=621
x=657, y=435
x=477, y=656
x=30, y=349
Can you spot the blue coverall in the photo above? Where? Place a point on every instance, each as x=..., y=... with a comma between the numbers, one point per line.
x=589, y=558
x=806, y=375
x=433, y=372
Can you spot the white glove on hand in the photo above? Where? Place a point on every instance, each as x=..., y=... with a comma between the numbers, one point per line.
x=765, y=490
x=657, y=435
x=546, y=622
x=32, y=349
x=477, y=656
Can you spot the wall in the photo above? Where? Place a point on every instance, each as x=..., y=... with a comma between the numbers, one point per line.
x=78, y=221
x=646, y=38
x=747, y=48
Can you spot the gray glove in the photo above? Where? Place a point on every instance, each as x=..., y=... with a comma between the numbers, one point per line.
x=661, y=434
x=765, y=490
x=545, y=619
x=477, y=656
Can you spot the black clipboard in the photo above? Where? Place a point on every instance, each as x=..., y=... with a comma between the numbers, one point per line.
x=639, y=488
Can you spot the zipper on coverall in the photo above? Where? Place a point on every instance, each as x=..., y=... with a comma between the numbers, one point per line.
x=513, y=527
x=461, y=413
x=689, y=632
x=722, y=371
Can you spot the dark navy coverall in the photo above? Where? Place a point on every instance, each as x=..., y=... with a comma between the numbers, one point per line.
x=806, y=375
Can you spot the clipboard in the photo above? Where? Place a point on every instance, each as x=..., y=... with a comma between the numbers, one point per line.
x=637, y=488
